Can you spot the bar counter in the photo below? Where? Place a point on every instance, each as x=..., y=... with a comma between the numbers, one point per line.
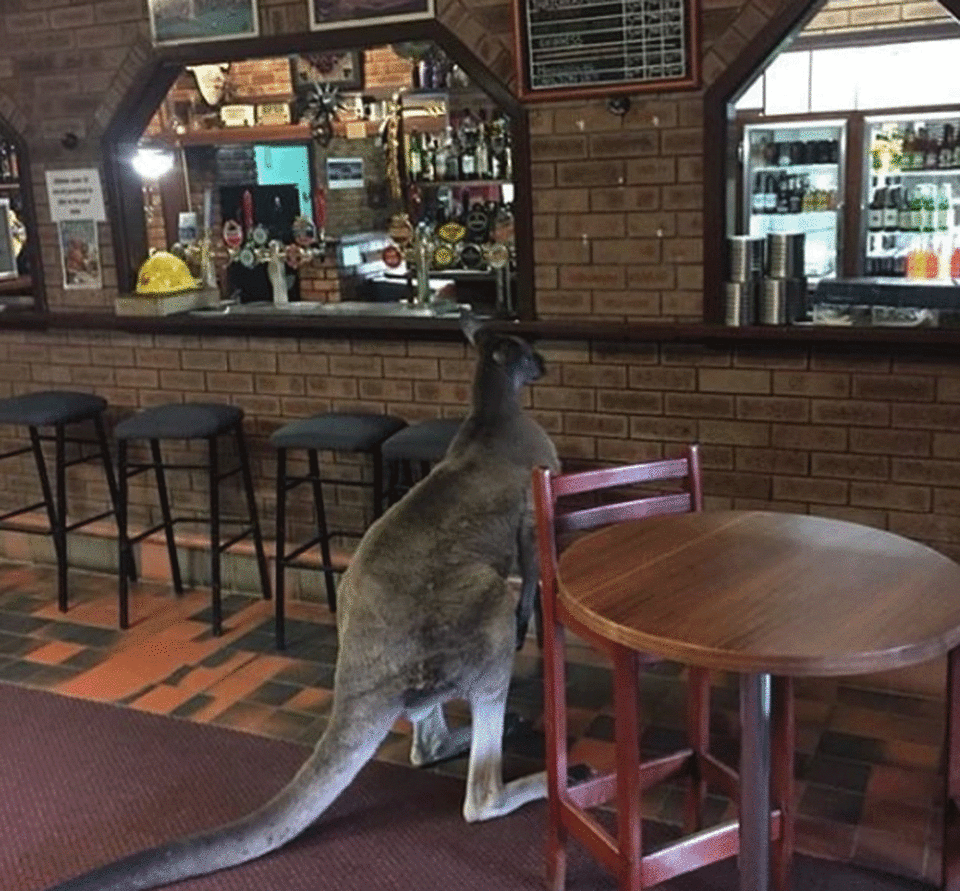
x=447, y=328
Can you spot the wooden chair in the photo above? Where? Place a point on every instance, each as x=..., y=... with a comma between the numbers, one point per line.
x=569, y=804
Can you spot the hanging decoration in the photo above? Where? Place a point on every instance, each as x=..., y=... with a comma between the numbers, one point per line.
x=323, y=103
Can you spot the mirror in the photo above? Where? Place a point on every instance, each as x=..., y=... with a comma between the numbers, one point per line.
x=823, y=185
x=375, y=174
x=20, y=268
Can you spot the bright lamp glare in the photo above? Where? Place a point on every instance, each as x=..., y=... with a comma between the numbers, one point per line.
x=151, y=163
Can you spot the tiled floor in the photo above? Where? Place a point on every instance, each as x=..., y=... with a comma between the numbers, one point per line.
x=867, y=765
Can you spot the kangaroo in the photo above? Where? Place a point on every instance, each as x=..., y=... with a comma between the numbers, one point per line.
x=424, y=616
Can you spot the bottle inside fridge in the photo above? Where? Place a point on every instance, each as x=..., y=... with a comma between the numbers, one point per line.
x=912, y=168
x=793, y=184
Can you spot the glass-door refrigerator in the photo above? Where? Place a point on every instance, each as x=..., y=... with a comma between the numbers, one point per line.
x=911, y=196
x=793, y=183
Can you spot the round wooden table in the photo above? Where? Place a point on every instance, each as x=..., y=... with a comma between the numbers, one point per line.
x=764, y=594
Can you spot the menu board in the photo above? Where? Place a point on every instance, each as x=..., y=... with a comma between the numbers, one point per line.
x=581, y=47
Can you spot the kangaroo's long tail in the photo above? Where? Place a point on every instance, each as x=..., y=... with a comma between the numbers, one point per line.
x=349, y=742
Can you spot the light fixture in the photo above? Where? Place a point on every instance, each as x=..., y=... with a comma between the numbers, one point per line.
x=151, y=161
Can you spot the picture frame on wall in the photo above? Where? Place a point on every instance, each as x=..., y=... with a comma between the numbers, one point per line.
x=342, y=13
x=339, y=68
x=193, y=21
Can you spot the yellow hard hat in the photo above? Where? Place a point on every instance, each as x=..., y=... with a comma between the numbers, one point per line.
x=164, y=273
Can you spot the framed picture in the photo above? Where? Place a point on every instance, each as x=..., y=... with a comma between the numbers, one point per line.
x=344, y=173
x=8, y=254
x=339, y=68
x=80, y=254
x=342, y=13
x=190, y=21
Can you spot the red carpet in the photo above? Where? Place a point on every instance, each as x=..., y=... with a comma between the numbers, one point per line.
x=82, y=783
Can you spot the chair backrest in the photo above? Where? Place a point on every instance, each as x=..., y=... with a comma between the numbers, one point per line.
x=554, y=518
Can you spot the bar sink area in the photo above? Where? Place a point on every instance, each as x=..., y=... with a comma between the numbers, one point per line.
x=395, y=309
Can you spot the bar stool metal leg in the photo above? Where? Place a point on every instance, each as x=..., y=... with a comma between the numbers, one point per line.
x=58, y=544
x=322, y=528
x=123, y=541
x=60, y=470
x=101, y=433
x=950, y=855
x=214, y=464
x=245, y=473
x=281, y=543
x=167, y=515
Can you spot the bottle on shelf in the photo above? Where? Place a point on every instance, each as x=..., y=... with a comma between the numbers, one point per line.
x=946, y=148
x=955, y=259
x=876, y=209
x=414, y=157
x=891, y=208
x=758, y=203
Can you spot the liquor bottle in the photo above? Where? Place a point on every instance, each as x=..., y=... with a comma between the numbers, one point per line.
x=891, y=209
x=928, y=210
x=943, y=209
x=428, y=170
x=877, y=204
x=907, y=148
x=414, y=157
x=758, y=202
x=441, y=156
x=946, y=147
x=916, y=210
x=783, y=194
x=955, y=261
x=795, y=199
x=482, y=151
x=905, y=223
x=931, y=156
x=468, y=145
x=770, y=194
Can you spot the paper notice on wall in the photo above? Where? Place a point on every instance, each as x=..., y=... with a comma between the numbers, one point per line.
x=75, y=195
x=80, y=254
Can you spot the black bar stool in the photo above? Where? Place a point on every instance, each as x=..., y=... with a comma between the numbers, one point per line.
x=59, y=409
x=188, y=421
x=421, y=444
x=330, y=431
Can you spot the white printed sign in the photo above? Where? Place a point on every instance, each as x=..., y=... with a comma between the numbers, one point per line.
x=75, y=195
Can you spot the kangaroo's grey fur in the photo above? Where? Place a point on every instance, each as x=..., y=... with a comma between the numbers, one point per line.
x=424, y=616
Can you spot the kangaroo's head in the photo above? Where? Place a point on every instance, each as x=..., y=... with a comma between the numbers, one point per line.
x=503, y=356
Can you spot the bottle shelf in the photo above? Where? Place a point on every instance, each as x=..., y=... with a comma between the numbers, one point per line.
x=463, y=183
x=932, y=171
x=795, y=168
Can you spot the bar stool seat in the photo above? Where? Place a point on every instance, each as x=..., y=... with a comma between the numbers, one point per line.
x=424, y=442
x=58, y=409
x=329, y=431
x=188, y=421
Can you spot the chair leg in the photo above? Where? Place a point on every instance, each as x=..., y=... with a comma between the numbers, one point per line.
x=555, y=732
x=167, y=516
x=698, y=733
x=783, y=744
x=262, y=566
x=101, y=432
x=323, y=530
x=125, y=555
x=60, y=472
x=214, y=472
x=951, y=804
x=280, y=544
x=626, y=710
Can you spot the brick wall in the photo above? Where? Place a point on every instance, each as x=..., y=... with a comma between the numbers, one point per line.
x=618, y=211
x=866, y=15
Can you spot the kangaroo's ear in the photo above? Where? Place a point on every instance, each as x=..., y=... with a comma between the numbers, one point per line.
x=470, y=325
